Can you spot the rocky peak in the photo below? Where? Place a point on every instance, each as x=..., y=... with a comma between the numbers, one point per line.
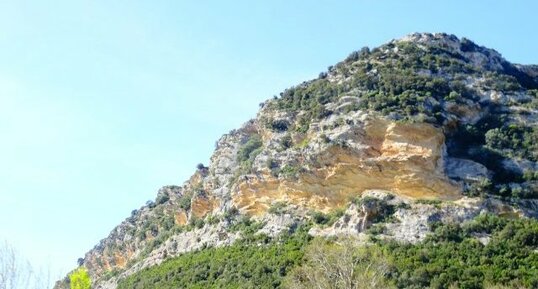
x=426, y=117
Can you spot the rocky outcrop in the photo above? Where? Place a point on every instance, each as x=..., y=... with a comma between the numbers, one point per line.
x=329, y=141
x=375, y=154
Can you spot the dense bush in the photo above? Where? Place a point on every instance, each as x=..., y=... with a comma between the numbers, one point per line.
x=395, y=88
x=323, y=219
x=514, y=141
x=250, y=149
x=384, y=211
x=185, y=201
x=452, y=256
x=247, y=153
x=491, y=142
x=246, y=264
x=79, y=279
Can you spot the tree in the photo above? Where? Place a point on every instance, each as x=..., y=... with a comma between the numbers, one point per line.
x=14, y=271
x=342, y=265
x=80, y=279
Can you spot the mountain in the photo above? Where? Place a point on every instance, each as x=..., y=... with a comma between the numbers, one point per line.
x=390, y=143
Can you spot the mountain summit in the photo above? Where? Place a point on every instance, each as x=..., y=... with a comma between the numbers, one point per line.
x=426, y=129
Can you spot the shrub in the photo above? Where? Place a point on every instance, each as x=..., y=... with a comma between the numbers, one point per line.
x=340, y=265
x=326, y=219
x=514, y=141
x=250, y=149
x=250, y=263
x=162, y=198
x=277, y=208
x=280, y=125
x=79, y=279
x=196, y=222
x=480, y=188
x=384, y=211
x=286, y=142
x=185, y=201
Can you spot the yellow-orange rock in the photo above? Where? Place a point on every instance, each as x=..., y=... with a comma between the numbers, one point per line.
x=202, y=205
x=403, y=158
x=180, y=218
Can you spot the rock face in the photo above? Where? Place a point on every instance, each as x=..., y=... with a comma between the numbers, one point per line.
x=377, y=154
x=410, y=120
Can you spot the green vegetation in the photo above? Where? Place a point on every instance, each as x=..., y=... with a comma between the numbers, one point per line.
x=326, y=220
x=480, y=188
x=279, y=125
x=396, y=87
x=342, y=264
x=185, y=201
x=246, y=226
x=514, y=141
x=278, y=208
x=289, y=171
x=435, y=203
x=384, y=211
x=253, y=263
x=406, y=83
x=247, y=153
x=162, y=198
x=79, y=279
x=250, y=149
x=491, y=142
x=451, y=257
x=286, y=142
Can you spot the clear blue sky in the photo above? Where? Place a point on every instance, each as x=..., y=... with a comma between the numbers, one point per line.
x=103, y=102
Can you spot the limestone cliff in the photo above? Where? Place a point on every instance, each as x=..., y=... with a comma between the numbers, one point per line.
x=425, y=117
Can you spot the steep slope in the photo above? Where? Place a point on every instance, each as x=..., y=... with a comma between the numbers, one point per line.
x=428, y=116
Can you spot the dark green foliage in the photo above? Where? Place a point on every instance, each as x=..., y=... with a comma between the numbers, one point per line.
x=530, y=175
x=376, y=229
x=309, y=97
x=290, y=171
x=480, y=188
x=396, y=87
x=286, y=142
x=533, y=102
x=250, y=149
x=278, y=208
x=501, y=82
x=435, y=203
x=280, y=125
x=185, y=201
x=325, y=138
x=196, y=222
x=490, y=142
x=252, y=263
x=230, y=214
x=246, y=226
x=384, y=211
x=452, y=256
x=162, y=198
x=247, y=153
x=514, y=141
x=326, y=219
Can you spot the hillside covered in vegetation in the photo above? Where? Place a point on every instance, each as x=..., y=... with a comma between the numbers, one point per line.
x=409, y=165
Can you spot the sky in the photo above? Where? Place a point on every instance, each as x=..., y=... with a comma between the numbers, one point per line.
x=104, y=102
